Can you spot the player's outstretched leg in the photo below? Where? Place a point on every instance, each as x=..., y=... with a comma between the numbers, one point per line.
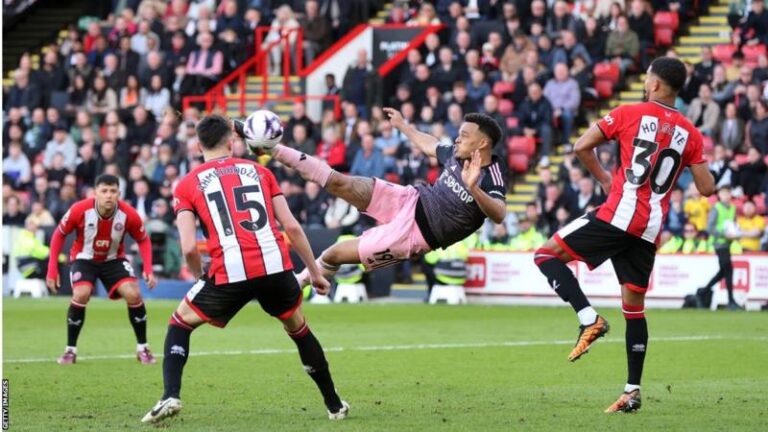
x=551, y=260
x=633, y=306
x=354, y=190
x=137, y=315
x=180, y=327
x=315, y=364
x=81, y=293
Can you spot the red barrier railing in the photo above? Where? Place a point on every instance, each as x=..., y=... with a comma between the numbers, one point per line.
x=216, y=97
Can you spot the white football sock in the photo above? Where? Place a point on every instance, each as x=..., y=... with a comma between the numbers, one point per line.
x=587, y=316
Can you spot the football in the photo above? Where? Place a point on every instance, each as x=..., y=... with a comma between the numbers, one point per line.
x=261, y=130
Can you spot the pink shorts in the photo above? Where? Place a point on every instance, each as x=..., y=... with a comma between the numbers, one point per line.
x=398, y=237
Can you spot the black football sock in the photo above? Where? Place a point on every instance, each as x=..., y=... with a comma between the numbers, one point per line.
x=313, y=359
x=561, y=279
x=137, y=314
x=176, y=352
x=75, y=321
x=636, y=341
x=726, y=266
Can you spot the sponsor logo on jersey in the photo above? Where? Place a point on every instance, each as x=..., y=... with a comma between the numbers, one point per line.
x=456, y=188
x=102, y=243
x=608, y=119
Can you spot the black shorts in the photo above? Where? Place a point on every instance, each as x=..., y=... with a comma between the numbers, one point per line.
x=112, y=274
x=592, y=241
x=278, y=294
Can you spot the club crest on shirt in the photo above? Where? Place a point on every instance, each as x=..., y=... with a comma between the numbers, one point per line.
x=119, y=226
x=76, y=276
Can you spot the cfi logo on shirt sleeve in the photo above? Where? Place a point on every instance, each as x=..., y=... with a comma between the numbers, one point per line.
x=608, y=119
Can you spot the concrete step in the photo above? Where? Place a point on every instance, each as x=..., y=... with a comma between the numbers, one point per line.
x=703, y=40
x=716, y=29
x=714, y=20
x=516, y=208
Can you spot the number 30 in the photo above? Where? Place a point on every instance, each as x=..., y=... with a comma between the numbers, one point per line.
x=663, y=172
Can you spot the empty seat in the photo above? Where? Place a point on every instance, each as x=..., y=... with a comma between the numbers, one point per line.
x=506, y=107
x=518, y=163
x=522, y=145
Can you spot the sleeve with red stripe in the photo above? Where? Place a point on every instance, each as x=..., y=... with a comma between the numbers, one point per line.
x=134, y=224
x=182, y=198
x=269, y=182
x=695, y=153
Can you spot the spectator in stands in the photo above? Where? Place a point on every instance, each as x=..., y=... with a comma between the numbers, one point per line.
x=360, y=85
x=61, y=144
x=16, y=167
x=67, y=198
x=446, y=72
x=571, y=49
x=369, y=161
x=747, y=104
x=564, y=95
x=455, y=119
x=427, y=16
x=720, y=167
x=562, y=20
x=140, y=41
x=755, y=27
x=622, y=46
x=757, y=128
x=751, y=226
x=553, y=201
x=594, y=39
x=641, y=23
x=315, y=204
x=317, y=30
x=301, y=141
x=128, y=58
x=535, y=114
x=705, y=69
x=152, y=64
x=586, y=197
x=141, y=198
x=203, y=67
x=40, y=216
x=87, y=167
x=732, y=130
x=547, y=52
x=331, y=149
x=101, y=99
x=13, y=212
x=691, y=85
x=430, y=50
x=331, y=89
x=676, y=218
x=24, y=94
x=132, y=95
x=284, y=22
x=158, y=97
x=738, y=87
x=750, y=176
x=761, y=73
x=142, y=127
x=703, y=112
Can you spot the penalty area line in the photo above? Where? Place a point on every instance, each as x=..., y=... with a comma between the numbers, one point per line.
x=404, y=347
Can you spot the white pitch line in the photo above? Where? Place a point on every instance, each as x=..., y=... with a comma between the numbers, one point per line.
x=392, y=348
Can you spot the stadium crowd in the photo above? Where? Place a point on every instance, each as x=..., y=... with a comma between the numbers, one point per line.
x=106, y=100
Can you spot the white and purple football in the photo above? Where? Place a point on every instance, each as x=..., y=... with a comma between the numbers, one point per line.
x=262, y=130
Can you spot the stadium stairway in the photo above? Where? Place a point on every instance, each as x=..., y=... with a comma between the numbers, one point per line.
x=276, y=100
x=712, y=29
x=42, y=24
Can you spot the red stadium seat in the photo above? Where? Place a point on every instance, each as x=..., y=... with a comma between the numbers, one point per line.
x=607, y=71
x=709, y=144
x=506, y=107
x=753, y=52
x=521, y=145
x=667, y=20
x=723, y=53
x=512, y=122
x=759, y=204
x=604, y=88
x=741, y=159
x=392, y=178
x=518, y=163
x=663, y=37
x=502, y=88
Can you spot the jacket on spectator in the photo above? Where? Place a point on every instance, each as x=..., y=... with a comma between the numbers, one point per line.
x=564, y=95
x=624, y=45
x=709, y=114
x=68, y=149
x=732, y=133
x=534, y=114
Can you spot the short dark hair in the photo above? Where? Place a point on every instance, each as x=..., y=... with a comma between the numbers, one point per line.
x=671, y=70
x=106, y=179
x=487, y=125
x=212, y=130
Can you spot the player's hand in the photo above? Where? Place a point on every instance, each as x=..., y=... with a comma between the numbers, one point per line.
x=471, y=171
x=149, y=278
x=320, y=284
x=53, y=284
x=394, y=117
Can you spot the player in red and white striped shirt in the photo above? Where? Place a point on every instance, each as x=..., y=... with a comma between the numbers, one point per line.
x=239, y=205
x=656, y=143
x=101, y=224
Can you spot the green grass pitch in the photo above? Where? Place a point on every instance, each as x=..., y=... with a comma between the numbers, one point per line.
x=401, y=367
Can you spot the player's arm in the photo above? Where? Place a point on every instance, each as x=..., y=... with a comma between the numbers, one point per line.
x=425, y=142
x=68, y=222
x=585, y=151
x=494, y=208
x=703, y=178
x=299, y=242
x=185, y=222
x=139, y=233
